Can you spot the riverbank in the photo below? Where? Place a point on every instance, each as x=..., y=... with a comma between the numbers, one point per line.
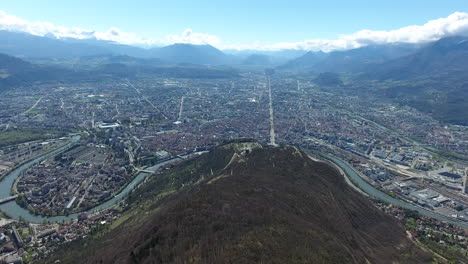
x=17, y=212
x=64, y=213
x=352, y=184
x=32, y=158
x=382, y=196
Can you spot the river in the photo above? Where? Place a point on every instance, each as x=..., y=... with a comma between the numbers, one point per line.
x=376, y=193
x=17, y=212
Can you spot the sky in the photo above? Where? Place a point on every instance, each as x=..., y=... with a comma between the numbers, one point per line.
x=241, y=24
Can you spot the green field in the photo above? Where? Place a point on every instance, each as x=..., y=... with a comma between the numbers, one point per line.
x=12, y=137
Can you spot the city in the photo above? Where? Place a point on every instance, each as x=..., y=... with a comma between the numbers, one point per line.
x=128, y=125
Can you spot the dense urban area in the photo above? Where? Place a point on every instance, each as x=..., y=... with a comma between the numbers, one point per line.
x=113, y=130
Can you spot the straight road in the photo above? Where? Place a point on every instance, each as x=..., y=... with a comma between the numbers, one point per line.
x=272, y=122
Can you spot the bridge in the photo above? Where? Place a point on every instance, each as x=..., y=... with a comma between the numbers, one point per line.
x=142, y=170
x=7, y=199
x=165, y=161
x=411, y=178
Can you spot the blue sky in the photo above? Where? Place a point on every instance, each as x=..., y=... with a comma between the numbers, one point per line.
x=235, y=22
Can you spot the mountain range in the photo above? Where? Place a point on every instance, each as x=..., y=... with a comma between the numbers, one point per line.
x=15, y=72
x=37, y=48
x=448, y=55
x=380, y=58
x=430, y=77
x=353, y=60
x=433, y=79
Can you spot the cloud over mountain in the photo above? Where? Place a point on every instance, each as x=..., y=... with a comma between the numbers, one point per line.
x=454, y=24
x=13, y=23
x=188, y=36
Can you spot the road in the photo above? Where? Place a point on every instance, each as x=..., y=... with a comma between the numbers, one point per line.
x=272, y=123
x=90, y=183
x=34, y=105
x=31, y=108
x=426, y=147
x=117, y=110
x=181, y=109
x=146, y=98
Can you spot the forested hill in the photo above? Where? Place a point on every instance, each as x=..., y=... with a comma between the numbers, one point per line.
x=244, y=203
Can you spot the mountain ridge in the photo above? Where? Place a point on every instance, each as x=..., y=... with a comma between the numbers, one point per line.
x=352, y=60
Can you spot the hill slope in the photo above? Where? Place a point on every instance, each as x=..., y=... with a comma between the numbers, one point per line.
x=191, y=54
x=271, y=205
x=10, y=65
x=307, y=61
x=445, y=57
x=433, y=80
x=30, y=46
x=353, y=60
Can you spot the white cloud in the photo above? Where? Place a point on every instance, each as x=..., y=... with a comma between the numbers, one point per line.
x=13, y=23
x=188, y=36
x=454, y=24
